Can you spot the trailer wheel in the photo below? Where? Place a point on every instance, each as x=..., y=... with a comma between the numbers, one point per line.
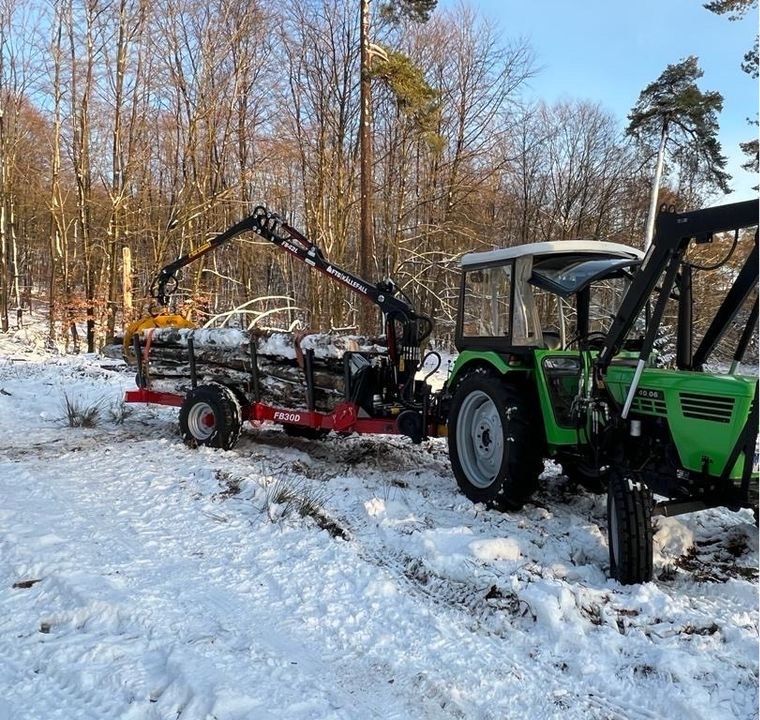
x=494, y=458
x=210, y=416
x=629, y=529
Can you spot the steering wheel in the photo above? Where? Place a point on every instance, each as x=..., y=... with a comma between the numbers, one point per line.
x=594, y=340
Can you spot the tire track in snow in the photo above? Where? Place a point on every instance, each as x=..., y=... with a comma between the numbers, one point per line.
x=74, y=631
x=471, y=609
x=476, y=612
x=80, y=441
x=52, y=686
x=484, y=608
x=344, y=671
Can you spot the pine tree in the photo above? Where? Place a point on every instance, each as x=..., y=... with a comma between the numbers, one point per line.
x=674, y=116
x=395, y=10
x=416, y=10
x=736, y=10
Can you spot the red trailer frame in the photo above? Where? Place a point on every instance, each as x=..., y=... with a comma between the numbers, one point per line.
x=344, y=418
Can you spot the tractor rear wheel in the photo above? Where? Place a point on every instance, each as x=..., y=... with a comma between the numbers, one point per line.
x=494, y=458
x=210, y=416
x=629, y=529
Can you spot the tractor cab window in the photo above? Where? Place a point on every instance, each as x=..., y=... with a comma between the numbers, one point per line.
x=604, y=300
x=565, y=285
x=558, y=318
x=488, y=302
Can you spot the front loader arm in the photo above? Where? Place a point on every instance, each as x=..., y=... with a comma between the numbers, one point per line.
x=674, y=233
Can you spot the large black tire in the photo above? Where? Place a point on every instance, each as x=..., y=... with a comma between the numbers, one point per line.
x=595, y=480
x=629, y=529
x=495, y=454
x=210, y=416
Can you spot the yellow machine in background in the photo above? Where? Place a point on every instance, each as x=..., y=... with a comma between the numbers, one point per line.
x=147, y=323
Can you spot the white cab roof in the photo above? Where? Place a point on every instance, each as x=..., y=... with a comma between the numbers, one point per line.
x=601, y=247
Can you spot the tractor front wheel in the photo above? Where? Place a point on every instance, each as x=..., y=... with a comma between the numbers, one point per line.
x=210, y=416
x=494, y=458
x=629, y=529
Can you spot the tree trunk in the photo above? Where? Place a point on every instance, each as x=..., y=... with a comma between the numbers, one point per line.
x=366, y=240
x=117, y=175
x=654, y=194
x=4, y=264
x=56, y=229
x=126, y=284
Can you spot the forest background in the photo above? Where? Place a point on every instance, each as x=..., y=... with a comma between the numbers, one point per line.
x=131, y=132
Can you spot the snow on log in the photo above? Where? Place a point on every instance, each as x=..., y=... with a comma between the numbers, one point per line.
x=224, y=355
x=275, y=344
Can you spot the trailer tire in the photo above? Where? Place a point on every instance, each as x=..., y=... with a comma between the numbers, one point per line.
x=494, y=458
x=629, y=529
x=210, y=416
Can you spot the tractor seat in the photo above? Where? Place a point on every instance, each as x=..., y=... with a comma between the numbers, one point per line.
x=552, y=341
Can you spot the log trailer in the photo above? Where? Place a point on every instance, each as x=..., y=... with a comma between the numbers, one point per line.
x=381, y=393
x=556, y=360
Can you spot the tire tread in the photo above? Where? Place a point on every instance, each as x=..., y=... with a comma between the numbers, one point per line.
x=227, y=413
x=634, y=523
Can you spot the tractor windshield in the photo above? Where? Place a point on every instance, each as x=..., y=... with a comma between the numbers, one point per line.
x=558, y=315
x=569, y=274
x=604, y=300
x=560, y=280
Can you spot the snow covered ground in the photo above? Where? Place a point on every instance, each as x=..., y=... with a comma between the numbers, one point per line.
x=343, y=578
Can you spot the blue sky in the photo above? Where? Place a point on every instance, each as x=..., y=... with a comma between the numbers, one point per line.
x=607, y=52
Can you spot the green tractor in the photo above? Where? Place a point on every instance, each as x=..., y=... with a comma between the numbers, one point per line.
x=557, y=359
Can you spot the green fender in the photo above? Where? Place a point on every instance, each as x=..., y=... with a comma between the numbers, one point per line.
x=468, y=358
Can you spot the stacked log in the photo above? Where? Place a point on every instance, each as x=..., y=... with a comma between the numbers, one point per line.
x=224, y=355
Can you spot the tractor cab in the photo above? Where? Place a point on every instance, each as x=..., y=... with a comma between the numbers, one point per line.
x=550, y=295
x=546, y=306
